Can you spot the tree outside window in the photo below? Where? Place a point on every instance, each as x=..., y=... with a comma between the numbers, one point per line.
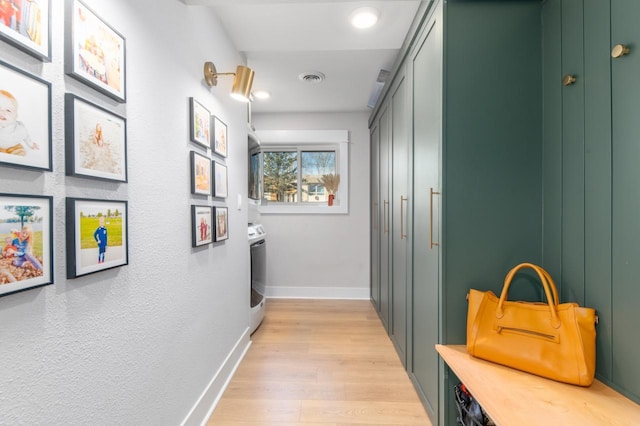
x=281, y=176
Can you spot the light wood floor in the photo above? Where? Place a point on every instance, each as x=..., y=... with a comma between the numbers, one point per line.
x=320, y=362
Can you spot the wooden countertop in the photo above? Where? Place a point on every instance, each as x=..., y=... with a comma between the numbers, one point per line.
x=513, y=397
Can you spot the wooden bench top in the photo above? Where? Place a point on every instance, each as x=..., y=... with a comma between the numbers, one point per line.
x=513, y=397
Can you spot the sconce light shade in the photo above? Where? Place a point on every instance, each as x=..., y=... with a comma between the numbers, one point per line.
x=241, y=89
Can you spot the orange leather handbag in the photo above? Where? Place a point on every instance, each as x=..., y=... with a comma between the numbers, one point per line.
x=552, y=340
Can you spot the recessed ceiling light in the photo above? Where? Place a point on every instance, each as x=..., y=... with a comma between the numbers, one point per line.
x=262, y=94
x=364, y=17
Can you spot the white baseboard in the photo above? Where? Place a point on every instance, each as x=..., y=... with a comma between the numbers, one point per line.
x=318, y=292
x=207, y=402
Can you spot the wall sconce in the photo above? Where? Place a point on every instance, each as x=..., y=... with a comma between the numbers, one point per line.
x=241, y=88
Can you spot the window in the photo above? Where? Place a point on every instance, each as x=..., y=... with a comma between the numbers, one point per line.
x=301, y=169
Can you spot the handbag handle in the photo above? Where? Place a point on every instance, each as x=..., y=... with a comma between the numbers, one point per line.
x=552, y=295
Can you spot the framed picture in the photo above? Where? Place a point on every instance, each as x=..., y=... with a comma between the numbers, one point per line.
x=27, y=25
x=97, y=237
x=95, y=52
x=201, y=225
x=220, y=132
x=200, y=174
x=96, y=141
x=26, y=237
x=200, y=128
x=219, y=180
x=221, y=215
x=25, y=119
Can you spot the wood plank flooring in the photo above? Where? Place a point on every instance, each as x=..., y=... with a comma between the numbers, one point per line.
x=323, y=363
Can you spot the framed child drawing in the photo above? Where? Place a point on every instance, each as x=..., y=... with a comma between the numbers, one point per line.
x=200, y=126
x=220, y=132
x=27, y=25
x=26, y=238
x=97, y=236
x=95, y=51
x=219, y=180
x=96, y=141
x=201, y=225
x=222, y=223
x=200, y=174
x=25, y=119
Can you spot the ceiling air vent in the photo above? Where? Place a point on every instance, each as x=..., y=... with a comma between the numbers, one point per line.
x=313, y=77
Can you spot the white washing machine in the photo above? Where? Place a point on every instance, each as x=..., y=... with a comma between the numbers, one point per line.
x=258, y=253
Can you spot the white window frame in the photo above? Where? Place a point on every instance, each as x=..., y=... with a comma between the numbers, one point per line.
x=304, y=140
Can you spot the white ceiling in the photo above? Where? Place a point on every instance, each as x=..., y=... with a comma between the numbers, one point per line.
x=282, y=39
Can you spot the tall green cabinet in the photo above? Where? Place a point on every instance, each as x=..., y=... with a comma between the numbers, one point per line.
x=465, y=175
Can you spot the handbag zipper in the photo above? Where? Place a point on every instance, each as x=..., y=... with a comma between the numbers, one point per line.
x=533, y=333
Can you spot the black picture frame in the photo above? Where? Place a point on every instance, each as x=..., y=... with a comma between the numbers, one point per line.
x=95, y=53
x=201, y=182
x=33, y=33
x=26, y=236
x=221, y=218
x=199, y=123
x=220, y=181
x=221, y=137
x=201, y=225
x=25, y=99
x=95, y=141
x=97, y=235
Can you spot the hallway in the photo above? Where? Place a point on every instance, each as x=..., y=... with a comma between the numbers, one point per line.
x=320, y=362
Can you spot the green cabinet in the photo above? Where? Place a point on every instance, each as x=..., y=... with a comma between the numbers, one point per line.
x=384, y=165
x=374, y=230
x=466, y=175
x=400, y=235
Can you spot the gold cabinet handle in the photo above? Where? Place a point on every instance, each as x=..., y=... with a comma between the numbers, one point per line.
x=384, y=216
x=568, y=80
x=402, y=200
x=431, y=242
x=619, y=50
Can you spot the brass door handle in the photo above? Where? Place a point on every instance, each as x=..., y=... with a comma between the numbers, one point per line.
x=619, y=50
x=402, y=234
x=384, y=216
x=431, y=242
x=568, y=80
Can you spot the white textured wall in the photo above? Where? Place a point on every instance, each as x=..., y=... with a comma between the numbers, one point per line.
x=322, y=255
x=136, y=345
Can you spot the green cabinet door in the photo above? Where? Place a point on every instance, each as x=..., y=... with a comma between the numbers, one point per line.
x=384, y=259
x=427, y=139
x=625, y=89
x=374, y=218
x=400, y=235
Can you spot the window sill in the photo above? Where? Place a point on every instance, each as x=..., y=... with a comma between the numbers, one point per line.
x=303, y=209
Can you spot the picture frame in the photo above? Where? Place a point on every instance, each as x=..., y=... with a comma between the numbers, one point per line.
x=26, y=238
x=95, y=141
x=219, y=180
x=96, y=234
x=200, y=123
x=28, y=28
x=200, y=174
x=25, y=109
x=201, y=225
x=221, y=215
x=220, y=137
x=95, y=53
